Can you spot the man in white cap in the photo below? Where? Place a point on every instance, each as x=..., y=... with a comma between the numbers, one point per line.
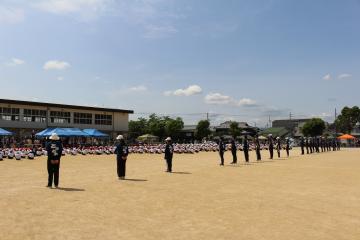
x=169, y=151
x=54, y=149
x=122, y=152
x=271, y=145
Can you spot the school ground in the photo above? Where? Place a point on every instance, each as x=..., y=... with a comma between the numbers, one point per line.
x=298, y=198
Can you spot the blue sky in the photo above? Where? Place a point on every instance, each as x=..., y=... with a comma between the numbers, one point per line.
x=238, y=60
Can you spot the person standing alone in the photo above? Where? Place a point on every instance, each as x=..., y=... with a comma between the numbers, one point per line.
x=169, y=152
x=122, y=152
x=222, y=151
x=257, y=148
x=271, y=146
x=54, y=149
x=246, y=149
x=233, y=151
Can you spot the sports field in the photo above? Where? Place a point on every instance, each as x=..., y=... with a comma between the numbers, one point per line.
x=303, y=197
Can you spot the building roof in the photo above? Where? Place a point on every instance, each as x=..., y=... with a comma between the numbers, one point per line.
x=275, y=131
x=42, y=104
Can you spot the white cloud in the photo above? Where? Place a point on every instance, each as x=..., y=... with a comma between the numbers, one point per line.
x=344, y=75
x=9, y=15
x=219, y=99
x=15, y=62
x=56, y=65
x=60, y=78
x=85, y=9
x=140, y=88
x=247, y=102
x=189, y=91
x=327, y=77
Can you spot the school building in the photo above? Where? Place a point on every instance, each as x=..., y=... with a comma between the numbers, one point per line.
x=23, y=118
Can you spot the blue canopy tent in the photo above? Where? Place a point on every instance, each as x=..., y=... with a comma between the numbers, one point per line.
x=3, y=132
x=62, y=132
x=95, y=133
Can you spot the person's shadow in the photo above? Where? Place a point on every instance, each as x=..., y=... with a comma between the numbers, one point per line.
x=181, y=172
x=135, y=180
x=70, y=189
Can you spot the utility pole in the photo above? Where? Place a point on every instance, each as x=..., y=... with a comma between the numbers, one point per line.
x=207, y=116
x=269, y=122
x=290, y=115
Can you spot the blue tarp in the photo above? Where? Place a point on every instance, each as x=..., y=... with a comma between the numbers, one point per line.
x=95, y=133
x=3, y=132
x=62, y=132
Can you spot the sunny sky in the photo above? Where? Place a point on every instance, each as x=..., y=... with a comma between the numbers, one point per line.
x=240, y=60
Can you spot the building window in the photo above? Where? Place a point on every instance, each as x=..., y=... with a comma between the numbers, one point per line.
x=59, y=117
x=34, y=115
x=10, y=114
x=102, y=119
x=83, y=118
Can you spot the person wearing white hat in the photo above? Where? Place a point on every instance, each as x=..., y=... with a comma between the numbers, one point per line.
x=169, y=152
x=278, y=146
x=271, y=145
x=54, y=151
x=122, y=152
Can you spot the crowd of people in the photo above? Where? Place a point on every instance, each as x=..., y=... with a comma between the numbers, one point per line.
x=54, y=150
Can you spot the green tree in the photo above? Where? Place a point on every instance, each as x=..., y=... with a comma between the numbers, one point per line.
x=313, y=127
x=156, y=126
x=137, y=128
x=234, y=129
x=202, y=129
x=347, y=120
x=173, y=127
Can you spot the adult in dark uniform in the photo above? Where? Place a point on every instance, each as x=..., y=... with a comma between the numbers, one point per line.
x=169, y=152
x=271, y=146
x=221, y=151
x=311, y=144
x=122, y=152
x=307, y=145
x=302, y=145
x=287, y=147
x=317, y=144
x=234, y=151
x=278, y=146
x=257, y=148
x=54, y=149
x=334, y=144
x=246, y=149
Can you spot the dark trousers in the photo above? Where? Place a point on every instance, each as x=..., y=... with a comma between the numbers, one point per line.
x=169, y=164
x=246, y=154
x=258, y=155
x=302, y=151
x=222, y=158
x=234, y=157
x=53, y=171
x=278, y=152
x=271, y=150
x=121, y=167
x=287, y=152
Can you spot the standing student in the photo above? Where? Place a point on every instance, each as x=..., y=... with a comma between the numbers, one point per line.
x=122, y=152
x=278, y=146
x=54, y=151
x=246, y=149
x=221, y=151
x=271, y=146
x=257, y=148
x=169, y=152
x=302, y=144
x=287, y=146
x=234, y=151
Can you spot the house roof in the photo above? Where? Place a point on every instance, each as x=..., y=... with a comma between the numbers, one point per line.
x=42, y=104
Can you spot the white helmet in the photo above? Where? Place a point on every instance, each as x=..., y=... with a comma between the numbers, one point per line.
x=54, y=137
x=120, y=137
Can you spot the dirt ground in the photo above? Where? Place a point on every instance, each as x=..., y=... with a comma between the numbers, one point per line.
x=301, y=197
